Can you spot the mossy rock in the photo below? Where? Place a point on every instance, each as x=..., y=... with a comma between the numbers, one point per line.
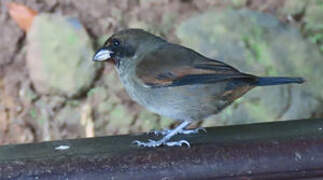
x=59, y=56
x=260, y=44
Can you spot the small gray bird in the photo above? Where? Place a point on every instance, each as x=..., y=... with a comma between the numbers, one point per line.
x=175, y=81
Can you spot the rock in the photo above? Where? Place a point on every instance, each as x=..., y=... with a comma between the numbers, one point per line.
x=239, y=3
x=313, y=19
x=38, y=117
x=292, y=7
x=59, y=56
x=97, y=94
x=97, y=97
x=258, y=43
x=10, y=36
x=68, y=120
x=146, y=121
x=314, y=16
x=120, y=119
x=26, y=94
x=165, y=122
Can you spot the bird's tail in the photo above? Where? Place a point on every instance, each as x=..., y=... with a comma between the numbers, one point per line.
x=269, y=81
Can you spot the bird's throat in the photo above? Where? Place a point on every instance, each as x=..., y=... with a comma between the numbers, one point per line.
x=114, y=61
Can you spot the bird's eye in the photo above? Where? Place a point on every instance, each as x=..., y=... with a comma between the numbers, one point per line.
x=115, y=42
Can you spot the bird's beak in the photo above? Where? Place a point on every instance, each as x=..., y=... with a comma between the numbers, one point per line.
x=102, y=54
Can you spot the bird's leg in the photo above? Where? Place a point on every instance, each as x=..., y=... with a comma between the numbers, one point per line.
x=183, y=131
x=164, y=140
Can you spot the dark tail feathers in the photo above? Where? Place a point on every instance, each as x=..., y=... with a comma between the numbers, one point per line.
x=269, y=81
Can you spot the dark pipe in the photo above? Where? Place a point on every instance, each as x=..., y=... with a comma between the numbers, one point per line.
x=277, y=150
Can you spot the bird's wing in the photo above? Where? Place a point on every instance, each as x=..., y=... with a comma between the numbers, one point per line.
x=174, y=65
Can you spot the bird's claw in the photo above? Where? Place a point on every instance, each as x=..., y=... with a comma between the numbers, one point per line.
x=178, y=143
x=193, y=131
x=184, y=131
x=152, y=143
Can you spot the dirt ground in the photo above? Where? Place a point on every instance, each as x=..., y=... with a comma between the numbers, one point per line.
x=99, y=18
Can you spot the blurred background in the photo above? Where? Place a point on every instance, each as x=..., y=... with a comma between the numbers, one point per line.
x=50, y=89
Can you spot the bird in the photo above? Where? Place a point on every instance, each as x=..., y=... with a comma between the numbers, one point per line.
x=175, y=81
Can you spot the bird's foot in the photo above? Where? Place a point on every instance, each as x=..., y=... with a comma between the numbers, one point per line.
x=168, y=135
x=152, y=143
x=183, y=131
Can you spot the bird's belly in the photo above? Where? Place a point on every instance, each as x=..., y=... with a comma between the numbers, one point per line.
x=181, y=102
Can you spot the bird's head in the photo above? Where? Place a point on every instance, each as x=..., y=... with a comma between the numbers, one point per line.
x=124, y=46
